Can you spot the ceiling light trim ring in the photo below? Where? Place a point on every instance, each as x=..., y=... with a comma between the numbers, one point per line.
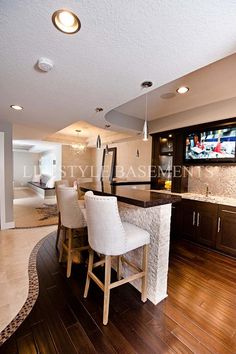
x=146, y=84
x=63, y=28
x=98, y=109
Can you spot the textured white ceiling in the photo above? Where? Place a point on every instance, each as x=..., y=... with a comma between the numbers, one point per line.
x=121, y=44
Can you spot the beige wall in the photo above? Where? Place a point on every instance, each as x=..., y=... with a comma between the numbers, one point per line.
x=51, y=162
x=129, y=166
x=75, y=166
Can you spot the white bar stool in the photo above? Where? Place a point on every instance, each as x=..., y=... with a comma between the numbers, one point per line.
x=107, y=235
x=61, y=183
x=73, y=218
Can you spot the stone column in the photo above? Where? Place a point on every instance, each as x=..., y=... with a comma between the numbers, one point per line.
x=156, y=220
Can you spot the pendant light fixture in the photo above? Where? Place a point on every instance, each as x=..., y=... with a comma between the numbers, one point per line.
x=146, y=84
x=98, y=143
x=106, y=150
x=145, y=126
x=77, y=147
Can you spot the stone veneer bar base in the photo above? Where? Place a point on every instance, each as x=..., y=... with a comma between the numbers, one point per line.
x=156, y=220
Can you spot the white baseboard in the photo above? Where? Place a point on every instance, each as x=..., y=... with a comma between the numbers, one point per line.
x=8, y=225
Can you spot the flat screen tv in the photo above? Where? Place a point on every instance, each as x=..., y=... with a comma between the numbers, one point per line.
x=211, y=146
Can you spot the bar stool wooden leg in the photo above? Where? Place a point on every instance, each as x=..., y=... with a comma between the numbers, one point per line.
x=119, y=268
x=62, y=248
x=58, y=230
x=69, y=256
x=144, y=279
x=107, y=289
x=90, y=269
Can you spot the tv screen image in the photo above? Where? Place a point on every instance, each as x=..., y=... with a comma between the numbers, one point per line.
x=212, y=144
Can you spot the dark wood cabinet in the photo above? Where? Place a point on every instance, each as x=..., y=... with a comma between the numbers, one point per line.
x=226, y=233
x=179, y=177
x=176, y=220
x=162, y=151
x=206, y=223
x=199, y=222
x=189, y=210
x=209, y=224
x=167, y=162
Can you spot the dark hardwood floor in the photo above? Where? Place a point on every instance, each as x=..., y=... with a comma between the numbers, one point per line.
x=199, y=315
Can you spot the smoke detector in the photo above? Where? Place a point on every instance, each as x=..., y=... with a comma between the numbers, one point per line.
x=45, y=64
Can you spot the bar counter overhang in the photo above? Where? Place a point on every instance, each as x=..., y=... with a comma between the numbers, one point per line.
x=152, y=212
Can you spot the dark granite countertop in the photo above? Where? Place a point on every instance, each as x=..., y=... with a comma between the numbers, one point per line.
x=131, y=194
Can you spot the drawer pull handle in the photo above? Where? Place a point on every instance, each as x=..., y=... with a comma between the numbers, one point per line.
x=198, y=219
x=228, y=211
x=194, y=218
x=218, y=227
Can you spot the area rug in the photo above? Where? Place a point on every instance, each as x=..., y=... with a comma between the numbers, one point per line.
x=47, y=211
x=28, y=216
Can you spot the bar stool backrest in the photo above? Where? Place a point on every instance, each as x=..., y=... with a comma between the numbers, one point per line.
x=106, y=233
x=71, y=214
x=64, y=183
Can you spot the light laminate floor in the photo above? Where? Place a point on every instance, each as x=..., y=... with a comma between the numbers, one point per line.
x=15, y=249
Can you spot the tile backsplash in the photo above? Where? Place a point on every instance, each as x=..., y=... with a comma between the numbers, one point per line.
x=221, y=180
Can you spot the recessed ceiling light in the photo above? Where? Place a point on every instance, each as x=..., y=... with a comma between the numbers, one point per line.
x=66, y=21
x=182, y=89
x=16, y=107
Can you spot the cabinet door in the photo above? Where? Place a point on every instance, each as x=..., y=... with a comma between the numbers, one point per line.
x=189, y=210
x=206, y=221
x=226, y=233
x=176, y=220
